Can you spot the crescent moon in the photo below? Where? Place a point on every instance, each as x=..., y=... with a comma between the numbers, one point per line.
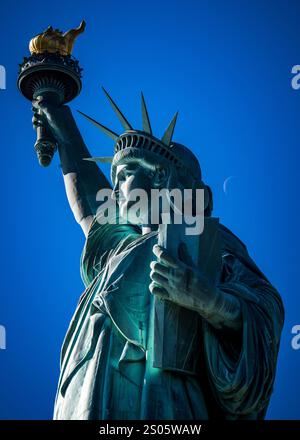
x=225, y=184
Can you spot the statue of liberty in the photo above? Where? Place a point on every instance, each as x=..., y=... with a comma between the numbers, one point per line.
x=107, y=369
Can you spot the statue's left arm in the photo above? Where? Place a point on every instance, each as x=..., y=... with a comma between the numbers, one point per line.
x=242, y=322
x=185, y=285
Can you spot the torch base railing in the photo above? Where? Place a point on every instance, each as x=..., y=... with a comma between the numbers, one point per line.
x=54, y=77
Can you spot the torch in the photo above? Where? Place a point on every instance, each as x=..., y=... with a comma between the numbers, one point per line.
x=50, y=72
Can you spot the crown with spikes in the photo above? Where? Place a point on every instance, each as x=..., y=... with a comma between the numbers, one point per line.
x=142, y=144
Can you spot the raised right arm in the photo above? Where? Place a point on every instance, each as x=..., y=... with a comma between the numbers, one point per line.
x=82, y=178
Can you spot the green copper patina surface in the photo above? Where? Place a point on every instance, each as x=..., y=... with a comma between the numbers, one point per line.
x=105, y=374
x=107, y=357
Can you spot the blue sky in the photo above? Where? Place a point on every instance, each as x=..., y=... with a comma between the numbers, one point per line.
x=226, y=66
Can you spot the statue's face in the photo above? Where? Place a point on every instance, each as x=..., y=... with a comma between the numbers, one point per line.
x=129, y=177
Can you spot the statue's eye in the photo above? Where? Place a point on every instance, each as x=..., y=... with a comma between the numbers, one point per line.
x=129, y=172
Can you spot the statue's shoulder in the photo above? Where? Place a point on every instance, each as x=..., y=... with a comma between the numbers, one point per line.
x=232, y=245
x=230, y=241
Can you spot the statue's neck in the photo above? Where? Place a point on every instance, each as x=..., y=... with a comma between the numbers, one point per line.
x=148, y=228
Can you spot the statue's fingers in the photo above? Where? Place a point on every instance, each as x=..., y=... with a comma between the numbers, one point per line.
x=176, y=275
x=37, y=120
x=41, y=105
x=159, y=279
x=160, y=268
x=164, y=257
x=37, y=104
x=158, y=291
x=173, y=275
x=34, y=105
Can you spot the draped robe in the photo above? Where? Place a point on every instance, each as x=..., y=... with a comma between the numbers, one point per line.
x=106, y=358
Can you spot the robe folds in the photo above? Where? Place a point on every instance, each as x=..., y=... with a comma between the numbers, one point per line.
x=106, y=369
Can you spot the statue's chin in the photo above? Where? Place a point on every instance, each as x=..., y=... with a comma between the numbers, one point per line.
x=131, y=215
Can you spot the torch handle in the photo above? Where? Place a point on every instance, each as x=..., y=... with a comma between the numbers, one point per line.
x=45, y=145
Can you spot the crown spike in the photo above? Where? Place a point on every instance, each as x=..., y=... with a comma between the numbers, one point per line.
x=167, y=137
x=102, y=159
x=118, y=112
x=145, y=116
x=105, y=130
